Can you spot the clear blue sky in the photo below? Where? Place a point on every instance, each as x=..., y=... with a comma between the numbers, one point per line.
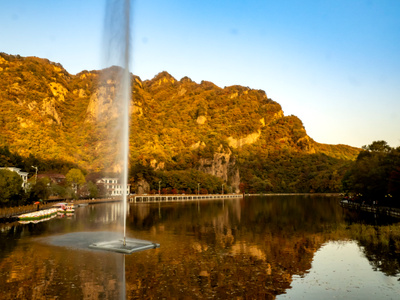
x=333, y=63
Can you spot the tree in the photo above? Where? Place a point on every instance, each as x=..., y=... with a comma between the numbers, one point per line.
x=139, y=171
x=93, y=190
x=375, y=174
x=259, y=185
x=10, y=187
x=243, y=187
x=203, y=191
x=378, y=146
x=75, y=178
x=58, y=190
x=40, y=190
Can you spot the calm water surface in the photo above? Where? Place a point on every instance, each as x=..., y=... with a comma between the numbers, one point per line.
x=275, y=247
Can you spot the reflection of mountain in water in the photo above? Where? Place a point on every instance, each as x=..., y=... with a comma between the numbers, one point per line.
x=247, y=248
x=38, y=271
x=265, y=240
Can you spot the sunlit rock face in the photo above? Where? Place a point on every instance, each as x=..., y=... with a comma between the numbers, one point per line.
x=103, y=105
x=306, y=144
x=248, y=140
x=223, y=165
x=201, y=120
x=142, y=186
x=49, y=108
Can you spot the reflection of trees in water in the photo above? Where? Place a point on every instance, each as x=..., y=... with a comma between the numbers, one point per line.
x=381, y=246
x=282, y=214
x=379, y=237
x=247, y=248
x=203, y=273
x=37, y=271
x=9, y=235
x=292, y=214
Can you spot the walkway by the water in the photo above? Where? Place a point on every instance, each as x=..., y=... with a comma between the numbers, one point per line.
x=164, y=198
x=393, y=212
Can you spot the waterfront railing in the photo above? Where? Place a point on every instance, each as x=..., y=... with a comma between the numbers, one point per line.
x=175, y=197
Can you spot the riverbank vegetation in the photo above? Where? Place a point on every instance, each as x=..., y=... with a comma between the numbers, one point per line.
x=38, y=188
x=374, y=177
x=189, y=181
x=285, y=172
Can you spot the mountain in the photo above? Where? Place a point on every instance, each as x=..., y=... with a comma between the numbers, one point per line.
x=235, y=133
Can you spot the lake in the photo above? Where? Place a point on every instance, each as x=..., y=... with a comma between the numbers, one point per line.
x=271, y=247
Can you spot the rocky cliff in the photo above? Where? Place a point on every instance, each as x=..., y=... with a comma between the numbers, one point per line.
x=222, y=165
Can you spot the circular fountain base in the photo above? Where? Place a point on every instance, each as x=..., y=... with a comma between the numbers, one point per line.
x=128, y=246
x=103, y=240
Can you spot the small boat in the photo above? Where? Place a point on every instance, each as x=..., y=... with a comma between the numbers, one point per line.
x=60, y=204
x=69, y=209
x=63, y=208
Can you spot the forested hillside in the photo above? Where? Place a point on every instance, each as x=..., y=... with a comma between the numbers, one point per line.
x=235, y=133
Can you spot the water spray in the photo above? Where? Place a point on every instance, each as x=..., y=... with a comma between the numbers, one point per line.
x=126, y=99
x=120, y=44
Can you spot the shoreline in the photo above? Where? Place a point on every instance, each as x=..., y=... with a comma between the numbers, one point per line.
x=297, y=194
x=384, y=210
x=10, y=214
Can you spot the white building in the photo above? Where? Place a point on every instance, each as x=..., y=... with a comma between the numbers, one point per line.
x=24, y=175
x=113, y=187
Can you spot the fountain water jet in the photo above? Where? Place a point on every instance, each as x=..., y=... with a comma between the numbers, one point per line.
x=118, y=18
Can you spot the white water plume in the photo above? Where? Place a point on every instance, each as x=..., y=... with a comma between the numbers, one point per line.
x=116, y=52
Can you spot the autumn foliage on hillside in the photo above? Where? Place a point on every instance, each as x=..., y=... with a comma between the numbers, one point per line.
x=176, y=125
